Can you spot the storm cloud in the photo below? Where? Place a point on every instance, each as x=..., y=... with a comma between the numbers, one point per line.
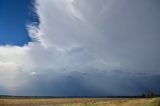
x=86, y=48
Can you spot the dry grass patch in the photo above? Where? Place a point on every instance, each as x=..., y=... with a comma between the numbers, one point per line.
x=81, y=102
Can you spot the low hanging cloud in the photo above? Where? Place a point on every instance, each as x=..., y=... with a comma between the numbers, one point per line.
x=86, y=47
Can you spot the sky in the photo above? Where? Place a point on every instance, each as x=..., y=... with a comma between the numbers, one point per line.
x=14, y=15
x=79, y=47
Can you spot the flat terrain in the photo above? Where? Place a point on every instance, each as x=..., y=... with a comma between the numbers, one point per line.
x=79, y=102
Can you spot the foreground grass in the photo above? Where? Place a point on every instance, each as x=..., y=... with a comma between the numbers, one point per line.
x=81, y=102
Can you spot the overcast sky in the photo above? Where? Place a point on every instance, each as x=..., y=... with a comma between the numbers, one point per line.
x=86, y=48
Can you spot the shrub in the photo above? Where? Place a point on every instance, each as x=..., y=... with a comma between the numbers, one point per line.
x=149, y=94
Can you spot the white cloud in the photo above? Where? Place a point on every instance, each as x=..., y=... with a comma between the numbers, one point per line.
x=80, y=37
x=33, y=73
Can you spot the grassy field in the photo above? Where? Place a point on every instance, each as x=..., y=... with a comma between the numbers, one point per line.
x=80, y=102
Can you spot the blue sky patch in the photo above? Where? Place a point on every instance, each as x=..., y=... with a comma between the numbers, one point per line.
x=14, y=15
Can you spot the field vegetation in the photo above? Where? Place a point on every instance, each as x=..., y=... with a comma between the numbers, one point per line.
x=80, y=101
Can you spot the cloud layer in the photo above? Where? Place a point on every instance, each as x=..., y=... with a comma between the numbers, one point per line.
x=86, y=47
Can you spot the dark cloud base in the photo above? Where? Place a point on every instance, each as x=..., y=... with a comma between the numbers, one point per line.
x=90, y=84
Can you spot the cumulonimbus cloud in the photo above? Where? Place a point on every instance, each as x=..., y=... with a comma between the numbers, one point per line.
x=108, y=45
